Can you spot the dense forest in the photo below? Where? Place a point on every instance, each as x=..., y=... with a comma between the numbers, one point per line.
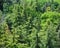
x=29, y=23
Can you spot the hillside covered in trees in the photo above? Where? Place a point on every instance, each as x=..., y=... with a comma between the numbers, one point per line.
x=29, y=23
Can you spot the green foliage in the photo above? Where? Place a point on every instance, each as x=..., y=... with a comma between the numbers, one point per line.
x=29, y=24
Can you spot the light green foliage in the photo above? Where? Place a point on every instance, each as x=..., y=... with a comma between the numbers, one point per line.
x=29, y=24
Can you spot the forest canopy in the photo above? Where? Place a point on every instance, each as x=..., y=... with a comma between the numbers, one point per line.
x=30, y=24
